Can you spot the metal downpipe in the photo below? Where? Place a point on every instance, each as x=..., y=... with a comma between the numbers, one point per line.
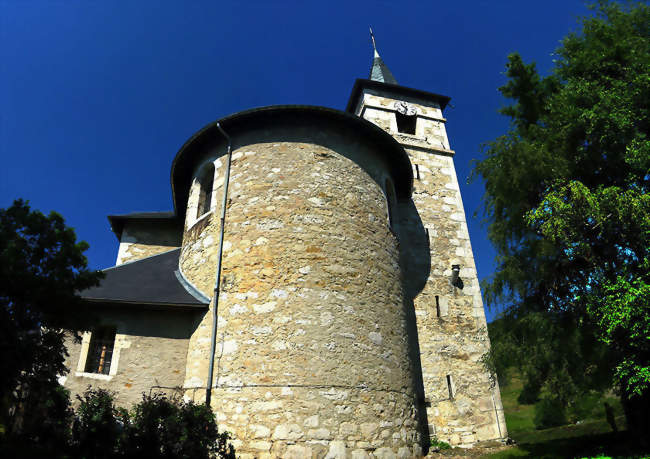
x=215, y=308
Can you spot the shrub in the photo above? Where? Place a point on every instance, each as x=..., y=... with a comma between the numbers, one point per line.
x=586, y=407
x=439, y=445
x=99, y=426
x=41, y=422
x=157, y=427
x=529, y=393
x=166, y=428
x=549, y=413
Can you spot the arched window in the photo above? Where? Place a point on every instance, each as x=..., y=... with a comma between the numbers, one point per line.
x=206, y=182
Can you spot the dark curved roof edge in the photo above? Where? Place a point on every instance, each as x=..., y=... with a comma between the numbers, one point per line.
x=362, y=83
x=118, y=221
x=397, y=155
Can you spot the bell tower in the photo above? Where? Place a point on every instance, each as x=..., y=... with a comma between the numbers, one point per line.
x=460, y=398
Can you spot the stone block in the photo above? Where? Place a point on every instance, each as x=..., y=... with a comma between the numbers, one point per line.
x=384, y=453
x=297, y=452
x=287, y=432
x=259, y=431
x=319, y=434
x=311, y=421
x=347, y=428
x=369, y=429
x=337, y=450
x=260, y=445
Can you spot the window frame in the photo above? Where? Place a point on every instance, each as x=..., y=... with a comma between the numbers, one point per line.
x=100, y=350
x=118, y=344
x=205, y=182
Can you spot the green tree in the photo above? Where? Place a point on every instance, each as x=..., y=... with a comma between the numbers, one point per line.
x=42, y=267
x=568, y=210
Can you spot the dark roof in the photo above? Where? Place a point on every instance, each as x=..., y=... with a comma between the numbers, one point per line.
x=151, y=281
x=380, y=71
x=361, y=84
x=117, y=221
x=258, y=118
x=237, y=123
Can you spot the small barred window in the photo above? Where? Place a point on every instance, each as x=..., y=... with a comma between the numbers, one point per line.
x=100, y=351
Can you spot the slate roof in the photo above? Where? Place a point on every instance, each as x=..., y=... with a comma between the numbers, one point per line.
x=153, y=281
x=380, y=71
x=382, y=79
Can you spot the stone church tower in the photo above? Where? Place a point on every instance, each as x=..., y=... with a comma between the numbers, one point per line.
x=462, y=401
x=315, y=284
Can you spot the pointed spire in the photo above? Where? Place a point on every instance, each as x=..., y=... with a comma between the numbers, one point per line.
x=379, y=70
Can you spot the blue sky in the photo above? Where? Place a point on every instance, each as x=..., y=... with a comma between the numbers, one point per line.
x=97, y=97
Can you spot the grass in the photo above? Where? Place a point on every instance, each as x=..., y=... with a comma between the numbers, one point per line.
x=591, y=436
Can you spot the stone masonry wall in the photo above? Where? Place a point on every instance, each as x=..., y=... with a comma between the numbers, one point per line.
x=463, y=402
x=144, y=239
x=312, y=352
x=150, y=350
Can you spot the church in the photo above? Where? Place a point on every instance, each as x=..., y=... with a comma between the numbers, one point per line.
x=314, y=283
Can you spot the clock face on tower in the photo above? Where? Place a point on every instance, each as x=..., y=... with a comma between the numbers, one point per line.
x=405, y=108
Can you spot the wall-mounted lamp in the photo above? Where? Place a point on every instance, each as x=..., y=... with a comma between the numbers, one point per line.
x=456, y=281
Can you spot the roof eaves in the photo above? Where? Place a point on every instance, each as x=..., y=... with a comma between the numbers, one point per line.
x=362, y=83
x=165, y=305
x=256, y=115
x=117, y=221
x=127, y=263
x=191, y=289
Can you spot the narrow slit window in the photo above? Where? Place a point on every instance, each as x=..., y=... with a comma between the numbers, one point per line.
x=390, y=201
x=405, y=123
x=450, y=388
x=206, y=182
x=437, y=306
x=100, y=351
x=417, y=172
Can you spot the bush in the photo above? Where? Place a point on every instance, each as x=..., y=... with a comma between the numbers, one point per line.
x=586, y=407
x=40, y=423
x=549, y=413
x=166, y=428
x=530, y=392
x=157, y=427
x=98, y=427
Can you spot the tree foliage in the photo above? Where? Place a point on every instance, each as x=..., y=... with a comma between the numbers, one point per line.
x=42, y=267
x=567, y=205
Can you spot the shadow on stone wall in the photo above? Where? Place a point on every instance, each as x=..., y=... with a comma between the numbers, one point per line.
x=144, y=322
x=415, y=265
